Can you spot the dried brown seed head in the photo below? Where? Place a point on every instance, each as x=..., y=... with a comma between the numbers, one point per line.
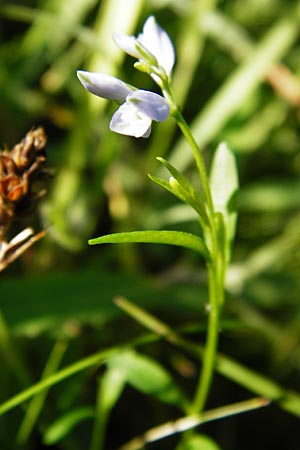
x=20, y=170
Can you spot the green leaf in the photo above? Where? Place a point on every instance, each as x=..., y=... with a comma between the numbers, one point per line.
x=147, y=376
x=198, y=441
x=35, y=407
x=110, y=388
x=224, y=186
x=168, y=237
x=177, y=175
x=166, y=185
x=183, y=189
x=179, y=192
x=64, y=424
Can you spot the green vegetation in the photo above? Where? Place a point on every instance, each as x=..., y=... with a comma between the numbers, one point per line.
x=102, y=346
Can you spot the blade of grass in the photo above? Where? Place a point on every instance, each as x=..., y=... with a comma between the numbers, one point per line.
x=28, y=15
x=67, y=16
x=251, y=380
x=36, y=405
x=93, y=360
x=110, y=387
x=63, y=425
x=255, y=382
x=78, y=366
x=189, y=422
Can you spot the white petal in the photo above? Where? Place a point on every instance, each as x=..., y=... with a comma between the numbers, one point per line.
x=127, y=44
x=151, y=104
x=157, y=41
x=130, y=121
x=148, y=132
x=105, y=86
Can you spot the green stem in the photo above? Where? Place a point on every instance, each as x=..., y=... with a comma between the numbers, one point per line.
x=216, y=266
x=197, y=156
x=216, y=290
x=211, y=345
x=216, y=276
x=176, y=113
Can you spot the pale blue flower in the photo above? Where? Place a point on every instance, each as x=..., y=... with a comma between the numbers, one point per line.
x=138, y=107
x=105, y=86
x=152, y=46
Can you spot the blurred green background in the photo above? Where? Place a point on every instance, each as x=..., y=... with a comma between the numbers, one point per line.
x=237, y=78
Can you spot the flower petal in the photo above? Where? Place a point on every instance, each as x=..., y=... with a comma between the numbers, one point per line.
x=127, y=44
x=130, y=121
x=157, y=41
x=105, y=86
x=149, y=103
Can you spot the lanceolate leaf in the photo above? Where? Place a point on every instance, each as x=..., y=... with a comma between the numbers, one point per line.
x=178, y=238
x=111, y=385
x=186, y=185
x=64, y=424
x=185, y=195
x=148, y=376
x=166, y=185
x=224, y=185
x=183, y=189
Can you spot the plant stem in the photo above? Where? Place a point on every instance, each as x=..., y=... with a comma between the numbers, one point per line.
x=176, y=113
x=197, y=156
x=211, y=345
x=216, y=270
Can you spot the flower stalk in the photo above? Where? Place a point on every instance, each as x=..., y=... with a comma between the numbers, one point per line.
x=197, y=156
x=211, y=345
x=216, y=274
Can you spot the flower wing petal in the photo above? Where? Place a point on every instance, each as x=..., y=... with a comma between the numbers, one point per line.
x=127, y=44
x=105, y=86
x=150, y=104
x=157, y=41
x=130, y=121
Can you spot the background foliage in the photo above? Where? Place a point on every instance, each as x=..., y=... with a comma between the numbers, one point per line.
x=237, y=79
